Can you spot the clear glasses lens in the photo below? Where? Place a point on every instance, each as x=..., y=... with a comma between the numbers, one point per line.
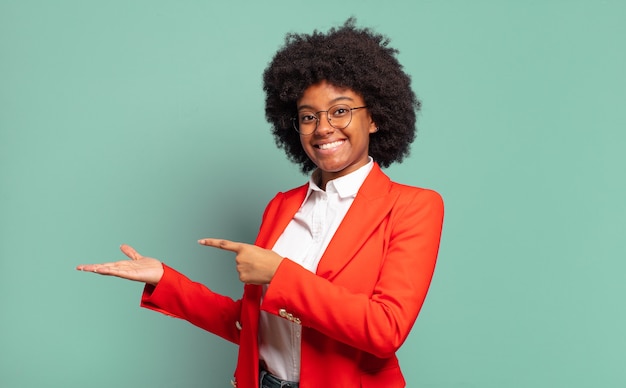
x=339, y=117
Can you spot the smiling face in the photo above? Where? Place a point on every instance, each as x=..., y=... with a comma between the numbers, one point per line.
x=336, y=152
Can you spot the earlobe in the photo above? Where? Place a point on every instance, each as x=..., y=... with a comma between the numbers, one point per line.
x=373, y=126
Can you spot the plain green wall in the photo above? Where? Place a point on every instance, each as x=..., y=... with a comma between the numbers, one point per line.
x=142, y=122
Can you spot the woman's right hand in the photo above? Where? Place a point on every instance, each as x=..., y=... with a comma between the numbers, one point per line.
x=138, y=268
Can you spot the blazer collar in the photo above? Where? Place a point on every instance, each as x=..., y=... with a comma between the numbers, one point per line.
x=372, y=203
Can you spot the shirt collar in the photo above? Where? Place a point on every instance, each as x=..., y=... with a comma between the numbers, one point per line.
x=345, y=186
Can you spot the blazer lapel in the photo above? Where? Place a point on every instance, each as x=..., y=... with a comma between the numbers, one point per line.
x=279, y=215
x=371, y=205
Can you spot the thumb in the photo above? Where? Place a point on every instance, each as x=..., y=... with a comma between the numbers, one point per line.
x=130, y=252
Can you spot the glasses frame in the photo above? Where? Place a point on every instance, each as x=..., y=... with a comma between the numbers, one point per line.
x=295, y=120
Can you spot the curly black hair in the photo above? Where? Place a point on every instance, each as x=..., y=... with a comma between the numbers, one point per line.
x=349, y=57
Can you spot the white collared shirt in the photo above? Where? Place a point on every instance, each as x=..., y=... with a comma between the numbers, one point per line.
x=304, y=241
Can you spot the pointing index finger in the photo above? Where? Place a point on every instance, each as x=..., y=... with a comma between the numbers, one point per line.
x=221, y=243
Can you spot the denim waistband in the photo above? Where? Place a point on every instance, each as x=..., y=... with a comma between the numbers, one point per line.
x=270, y=381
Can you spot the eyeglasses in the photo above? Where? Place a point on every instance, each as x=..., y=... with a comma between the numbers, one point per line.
x=338, y=116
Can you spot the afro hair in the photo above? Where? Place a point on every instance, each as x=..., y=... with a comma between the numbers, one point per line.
x=347, y=57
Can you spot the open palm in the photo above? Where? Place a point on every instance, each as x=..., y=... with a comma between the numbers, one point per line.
x=138, y=268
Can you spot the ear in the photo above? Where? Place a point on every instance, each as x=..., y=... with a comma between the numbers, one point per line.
x=373, y=128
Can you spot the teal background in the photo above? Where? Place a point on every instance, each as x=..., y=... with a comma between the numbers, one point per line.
x=142, y=122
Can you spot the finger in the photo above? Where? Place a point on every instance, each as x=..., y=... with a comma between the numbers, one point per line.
x=102, y=269
x=130, y=252
x=228, y=245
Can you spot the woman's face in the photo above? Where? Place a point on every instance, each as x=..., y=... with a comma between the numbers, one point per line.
x=336, y=152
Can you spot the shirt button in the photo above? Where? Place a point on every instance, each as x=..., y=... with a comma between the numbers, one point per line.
x=282, y=313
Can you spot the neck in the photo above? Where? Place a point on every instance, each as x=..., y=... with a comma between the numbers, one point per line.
x=319, y=179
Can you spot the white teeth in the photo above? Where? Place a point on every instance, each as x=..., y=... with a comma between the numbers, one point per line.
x=328, y=146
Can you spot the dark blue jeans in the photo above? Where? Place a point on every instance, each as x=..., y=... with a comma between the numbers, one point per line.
x=270, y=381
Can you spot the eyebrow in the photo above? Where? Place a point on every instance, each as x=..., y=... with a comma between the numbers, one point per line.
x=332, y=102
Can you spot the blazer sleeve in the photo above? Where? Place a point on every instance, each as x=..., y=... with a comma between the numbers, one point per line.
x=377, y=323
x=177, y=296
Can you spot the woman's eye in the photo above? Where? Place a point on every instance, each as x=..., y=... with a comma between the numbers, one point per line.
x=307, y=118
x=340, y=112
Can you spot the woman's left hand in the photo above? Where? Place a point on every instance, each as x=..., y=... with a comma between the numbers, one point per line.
x=254, y=264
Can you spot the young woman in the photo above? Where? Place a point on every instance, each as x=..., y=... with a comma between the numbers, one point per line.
x=342, y=264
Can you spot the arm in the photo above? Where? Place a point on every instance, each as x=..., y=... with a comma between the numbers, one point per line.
x=173, y=294
x=379, y=321
x=177, y=296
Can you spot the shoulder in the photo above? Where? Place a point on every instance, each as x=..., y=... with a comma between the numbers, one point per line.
x=424, y=194
x=411, y=201
x=296, y=194
x=381, y=182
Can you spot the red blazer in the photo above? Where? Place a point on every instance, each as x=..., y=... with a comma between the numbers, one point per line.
x=355, y=311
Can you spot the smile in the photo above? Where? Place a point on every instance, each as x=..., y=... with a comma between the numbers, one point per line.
x=328, y=146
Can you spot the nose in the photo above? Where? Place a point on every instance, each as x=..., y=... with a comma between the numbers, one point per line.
x=323, y=124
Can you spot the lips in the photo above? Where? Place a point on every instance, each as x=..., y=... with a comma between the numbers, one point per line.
x=328, y=146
